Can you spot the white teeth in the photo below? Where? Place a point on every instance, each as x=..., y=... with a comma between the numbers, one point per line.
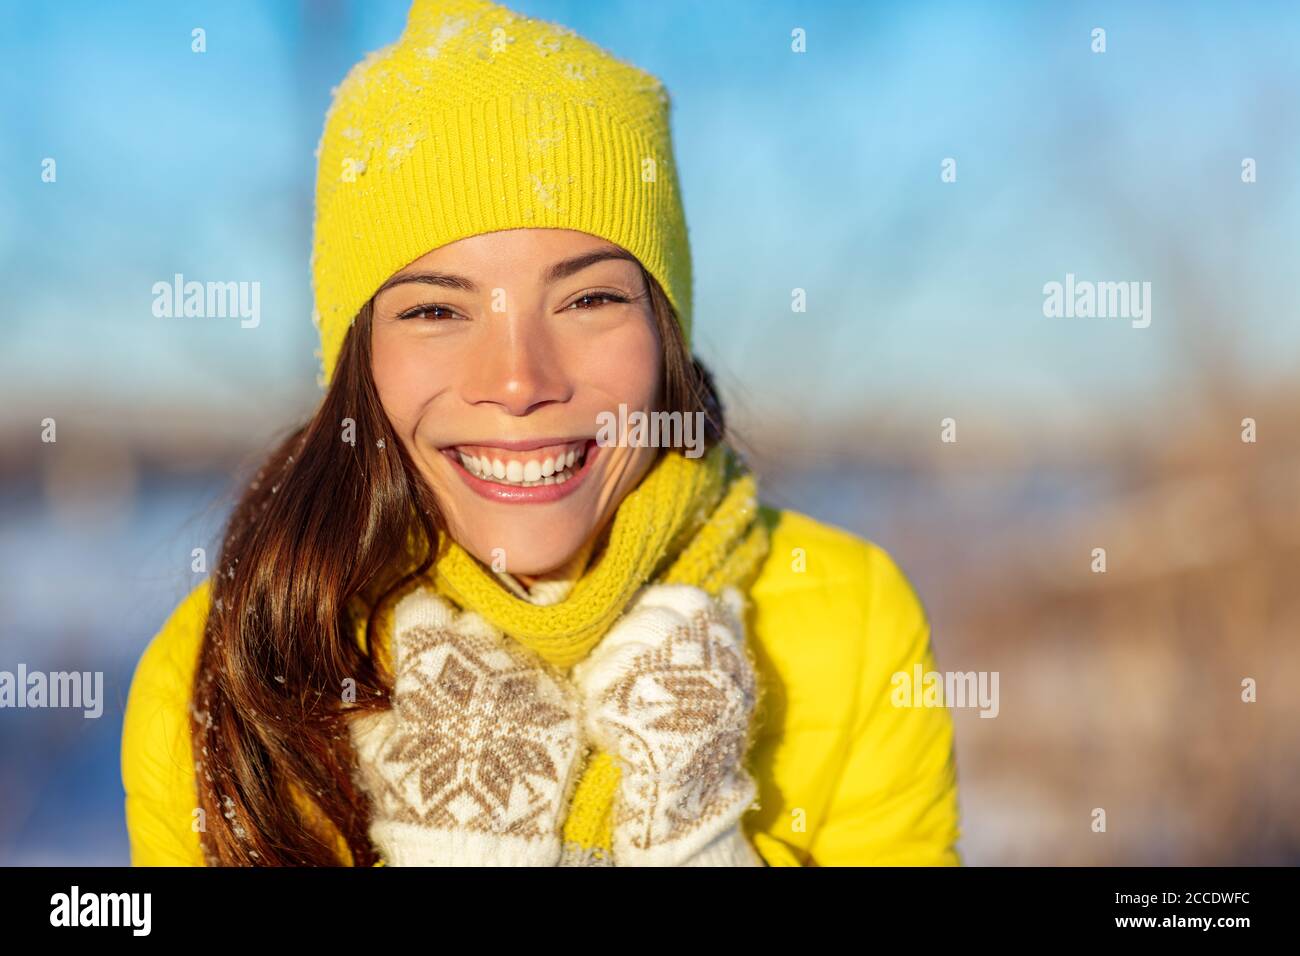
x=551, y=471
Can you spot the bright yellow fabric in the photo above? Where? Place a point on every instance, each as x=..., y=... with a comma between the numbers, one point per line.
x=479, y=119
x=844, y=777
x=157, y=759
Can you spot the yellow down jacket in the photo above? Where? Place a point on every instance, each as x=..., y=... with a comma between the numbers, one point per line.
x=845, y=777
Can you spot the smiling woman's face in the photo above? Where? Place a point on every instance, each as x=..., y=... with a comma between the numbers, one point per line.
x=494, y=357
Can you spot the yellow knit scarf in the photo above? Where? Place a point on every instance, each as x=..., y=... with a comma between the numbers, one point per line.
x=690, y=521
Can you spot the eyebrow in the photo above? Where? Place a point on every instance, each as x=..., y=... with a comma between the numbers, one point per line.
x=553, y=273
x=566, y=268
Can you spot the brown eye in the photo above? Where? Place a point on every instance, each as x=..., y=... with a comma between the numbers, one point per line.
x=589, y=300
x=432, y=313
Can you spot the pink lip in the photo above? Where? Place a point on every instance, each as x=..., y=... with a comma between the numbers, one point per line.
x=538, y=494
x=524, y=444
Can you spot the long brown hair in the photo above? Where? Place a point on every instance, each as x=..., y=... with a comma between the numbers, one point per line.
x=281, y=672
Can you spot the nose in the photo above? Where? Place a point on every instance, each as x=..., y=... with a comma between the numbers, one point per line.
x=517, y=365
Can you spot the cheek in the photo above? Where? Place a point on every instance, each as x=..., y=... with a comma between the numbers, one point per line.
x=404, y=377
x=625, y=364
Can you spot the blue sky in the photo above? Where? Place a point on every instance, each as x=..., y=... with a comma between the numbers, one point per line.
x=818, y=171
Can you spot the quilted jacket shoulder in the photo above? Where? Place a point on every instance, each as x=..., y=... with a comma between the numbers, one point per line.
x=845, y=777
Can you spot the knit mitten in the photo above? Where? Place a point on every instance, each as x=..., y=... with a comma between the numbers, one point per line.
x=670, y=692
x=474, y=763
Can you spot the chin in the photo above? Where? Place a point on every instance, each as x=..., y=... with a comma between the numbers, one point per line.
x=532, y=545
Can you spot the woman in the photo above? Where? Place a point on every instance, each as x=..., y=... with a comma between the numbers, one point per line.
x=475, y=612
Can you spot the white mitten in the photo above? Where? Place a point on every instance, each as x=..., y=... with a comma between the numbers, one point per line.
x=670, y=692
x=474, y=763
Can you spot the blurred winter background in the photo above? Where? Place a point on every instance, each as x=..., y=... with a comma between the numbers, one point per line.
x=818, y=171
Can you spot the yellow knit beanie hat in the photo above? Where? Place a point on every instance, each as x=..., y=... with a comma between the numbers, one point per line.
x=479, y=119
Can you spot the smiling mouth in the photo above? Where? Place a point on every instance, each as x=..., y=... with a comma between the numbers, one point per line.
x=552, y=464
